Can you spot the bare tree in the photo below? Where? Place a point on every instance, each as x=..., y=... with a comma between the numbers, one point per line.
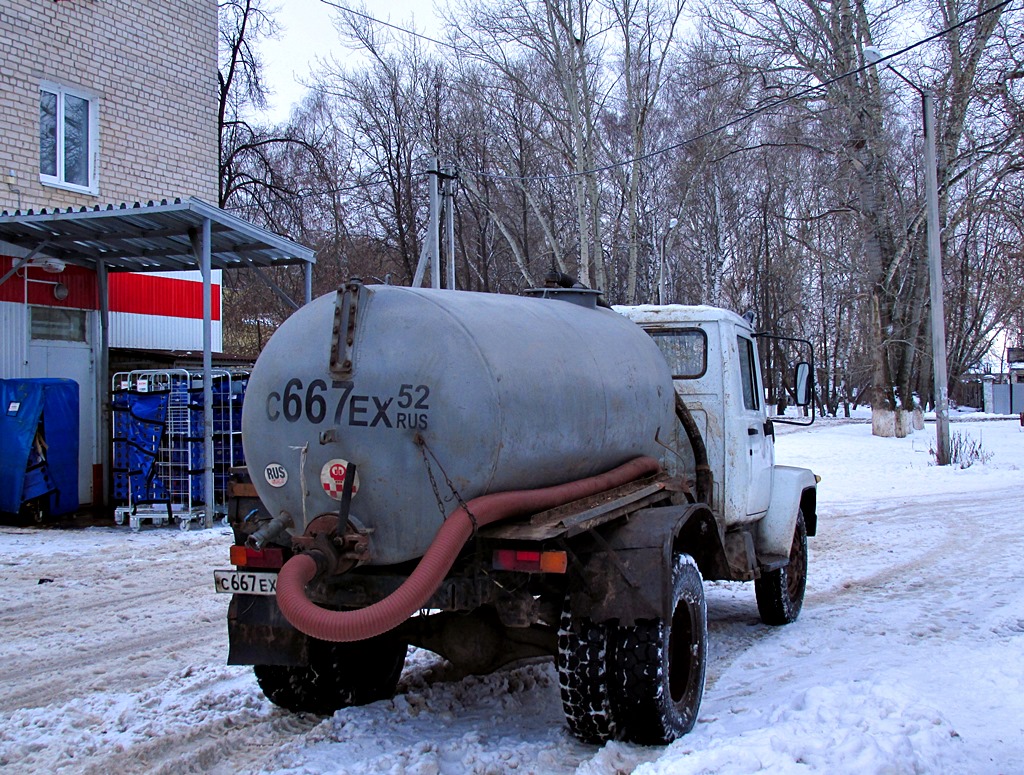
x=559, y=41
x=647, y=31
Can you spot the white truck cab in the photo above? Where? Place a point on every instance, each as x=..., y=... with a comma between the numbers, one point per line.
x=712, y=354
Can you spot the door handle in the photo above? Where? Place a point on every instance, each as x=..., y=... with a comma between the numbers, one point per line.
x=751, y=431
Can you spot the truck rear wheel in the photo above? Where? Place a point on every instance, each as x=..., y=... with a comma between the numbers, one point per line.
x=338, y=675
x=780, y=593
x=658, y=666
x=582, y=677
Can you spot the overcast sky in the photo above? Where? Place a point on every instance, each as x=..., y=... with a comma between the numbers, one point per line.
x=307, y=33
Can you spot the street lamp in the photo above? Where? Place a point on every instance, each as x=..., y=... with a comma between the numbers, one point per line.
x=938, y=324
x=662, y=289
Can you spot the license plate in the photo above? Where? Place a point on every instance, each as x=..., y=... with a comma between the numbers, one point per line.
x=240, y=582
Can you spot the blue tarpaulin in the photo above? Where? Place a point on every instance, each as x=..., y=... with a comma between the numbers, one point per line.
x=147, y=425
x=39, y=444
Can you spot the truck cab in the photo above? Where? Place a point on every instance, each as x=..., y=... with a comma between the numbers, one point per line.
x=712, y=354
x=713, y=358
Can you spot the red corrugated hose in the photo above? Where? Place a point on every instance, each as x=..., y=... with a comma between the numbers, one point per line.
x=338, y=626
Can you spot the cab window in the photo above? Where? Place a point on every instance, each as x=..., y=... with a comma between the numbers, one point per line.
x=748, y=373
x=685, y=349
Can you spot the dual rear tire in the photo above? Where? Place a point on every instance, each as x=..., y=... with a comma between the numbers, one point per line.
x=338, y=675
x=641, y=682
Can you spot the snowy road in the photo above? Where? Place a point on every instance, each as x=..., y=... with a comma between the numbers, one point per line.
x=908, y=656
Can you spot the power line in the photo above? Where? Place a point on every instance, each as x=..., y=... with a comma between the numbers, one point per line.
x=674, y=146
x=297, y=196
x=360, y=14
x=750, y=113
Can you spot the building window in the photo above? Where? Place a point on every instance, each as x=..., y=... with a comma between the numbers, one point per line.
x=68, y=123
x=58, y=324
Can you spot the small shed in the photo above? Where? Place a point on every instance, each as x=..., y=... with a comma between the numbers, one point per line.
x=154, y=237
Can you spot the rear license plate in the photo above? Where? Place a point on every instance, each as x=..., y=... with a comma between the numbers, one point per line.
x=241, y=582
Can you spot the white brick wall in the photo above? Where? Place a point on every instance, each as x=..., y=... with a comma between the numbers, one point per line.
x=154, y=65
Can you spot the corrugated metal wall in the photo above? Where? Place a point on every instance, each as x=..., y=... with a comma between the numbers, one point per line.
x=154, y=311
x=149, y=332
x=1007, y=401
x=13, y=341
x=162, y=311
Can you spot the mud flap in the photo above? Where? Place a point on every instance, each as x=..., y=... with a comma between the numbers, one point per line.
x=630, y=579
x=258, y=634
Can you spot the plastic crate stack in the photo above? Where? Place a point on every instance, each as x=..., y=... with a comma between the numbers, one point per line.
x=228, y=393
x=159, y=445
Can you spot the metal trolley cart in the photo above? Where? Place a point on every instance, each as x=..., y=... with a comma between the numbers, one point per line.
x=159, y=444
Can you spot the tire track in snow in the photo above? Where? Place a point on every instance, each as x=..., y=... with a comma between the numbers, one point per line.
x=898, y=568
x=220, y=745
x=122, y=610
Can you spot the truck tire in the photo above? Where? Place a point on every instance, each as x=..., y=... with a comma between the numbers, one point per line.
x=658, y=666
x=338, y=675
x=582, y=677
x=780, y=593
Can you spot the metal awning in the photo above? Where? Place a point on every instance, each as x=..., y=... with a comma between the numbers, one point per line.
x=155, y=237
x=149, y=237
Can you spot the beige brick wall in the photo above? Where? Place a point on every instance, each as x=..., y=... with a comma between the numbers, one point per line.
x=154, y=66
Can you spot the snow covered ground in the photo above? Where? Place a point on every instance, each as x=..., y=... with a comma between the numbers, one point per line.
x=908, y=656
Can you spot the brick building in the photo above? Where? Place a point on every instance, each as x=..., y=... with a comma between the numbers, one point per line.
x=105, y=102
x=131, y=90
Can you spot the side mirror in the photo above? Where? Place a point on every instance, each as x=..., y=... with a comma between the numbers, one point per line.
x=803, y=381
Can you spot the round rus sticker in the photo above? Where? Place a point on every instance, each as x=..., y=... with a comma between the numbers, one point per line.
x=332, y=477
x=276, y=475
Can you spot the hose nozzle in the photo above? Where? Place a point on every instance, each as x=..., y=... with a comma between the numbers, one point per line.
x=270, y=531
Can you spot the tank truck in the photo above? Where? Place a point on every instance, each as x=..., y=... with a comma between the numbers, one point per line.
x=499, y=478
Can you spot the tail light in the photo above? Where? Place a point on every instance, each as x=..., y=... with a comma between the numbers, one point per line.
x=247, y=557
x=530, y=561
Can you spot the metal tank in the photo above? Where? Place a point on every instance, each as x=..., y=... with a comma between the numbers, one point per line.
x=427, y=391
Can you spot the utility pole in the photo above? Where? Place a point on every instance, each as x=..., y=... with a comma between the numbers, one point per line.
x=435, y=226
x=448, y=194
x=938, y=319
x=931, y=183
x=442, y=199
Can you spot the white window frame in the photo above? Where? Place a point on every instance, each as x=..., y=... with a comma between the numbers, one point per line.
x=57, y=181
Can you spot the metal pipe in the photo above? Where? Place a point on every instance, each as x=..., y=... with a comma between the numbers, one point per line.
x=270, y=531
x=705, y=476
x=103, y=384
x=208, y=495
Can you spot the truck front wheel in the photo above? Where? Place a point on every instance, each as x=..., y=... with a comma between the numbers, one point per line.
x=338, y=675
x=658, y=666
x=780, y=593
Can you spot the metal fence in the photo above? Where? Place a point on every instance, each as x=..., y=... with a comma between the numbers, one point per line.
x=1008, y=398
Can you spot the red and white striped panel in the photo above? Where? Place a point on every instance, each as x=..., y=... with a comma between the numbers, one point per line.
x=162, y=311
x=152, y=311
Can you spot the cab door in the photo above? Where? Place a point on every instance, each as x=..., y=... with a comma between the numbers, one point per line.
x=760, y=438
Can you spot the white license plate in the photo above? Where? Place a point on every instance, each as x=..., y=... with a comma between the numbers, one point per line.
x=241, y=582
